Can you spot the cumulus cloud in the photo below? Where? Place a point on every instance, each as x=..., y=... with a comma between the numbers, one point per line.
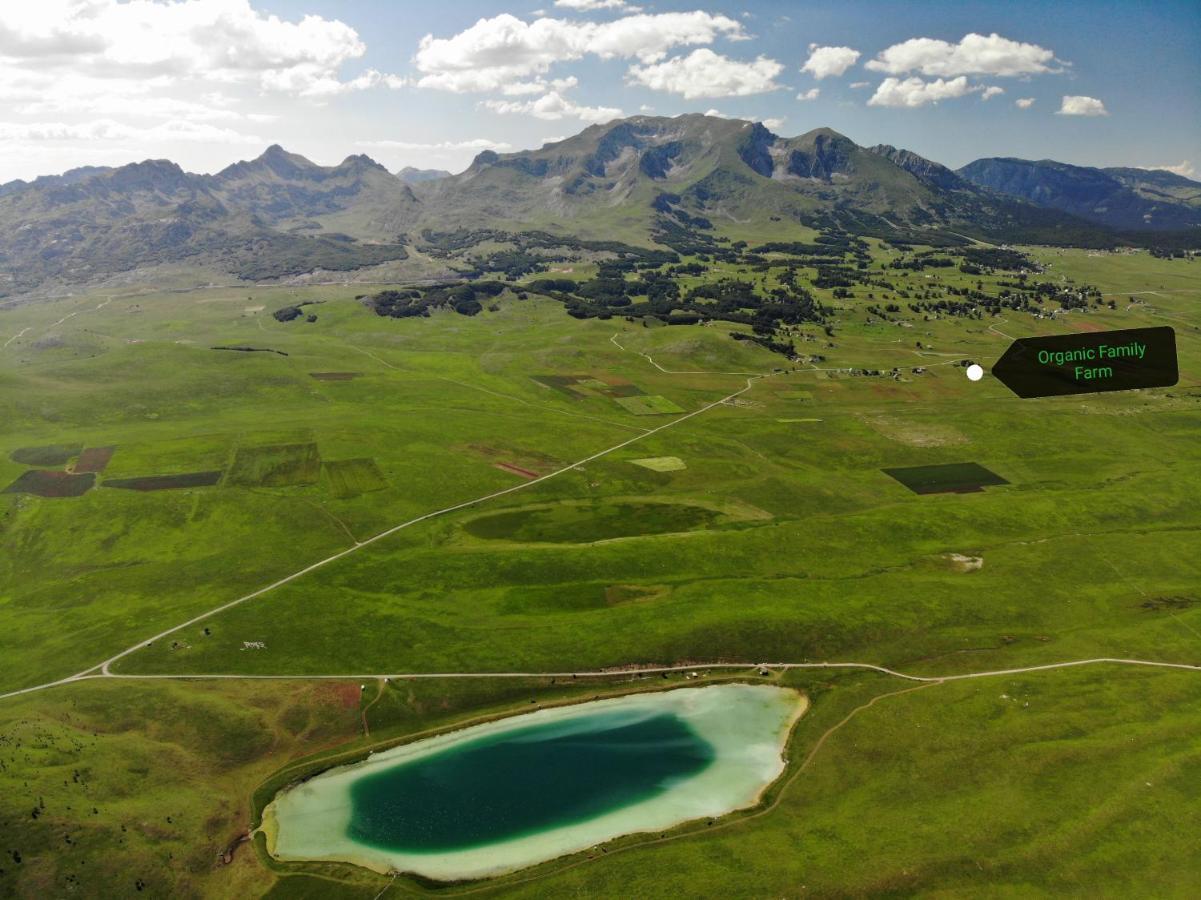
x=703, y=73
x=913, y=92
x=226, y=41
x=305, y=81
x=1081, y=106
x=811, y=94
x=826, y=62
x=553, y=106
x=857, y=85
x=590, y=5
x=1183, y=168
x=538, y=86
x=502, y=49
x=991, y=91
x=975, y=54
x=1024, y=102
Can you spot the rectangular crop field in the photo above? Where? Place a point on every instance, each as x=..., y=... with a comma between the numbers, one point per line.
x=648, y=405
x=51, y=484
x=276, y=466
x=952, y=478
x=661, y=463
x=351, y=477
x=165, y=482
x=94, y=459
x=560, y=383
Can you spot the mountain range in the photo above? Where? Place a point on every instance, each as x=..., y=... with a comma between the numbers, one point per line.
x=1123, y=198
x=633, y=180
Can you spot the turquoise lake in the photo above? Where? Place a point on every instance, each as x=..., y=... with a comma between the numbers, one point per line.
x=493, y=798
x=479, y=792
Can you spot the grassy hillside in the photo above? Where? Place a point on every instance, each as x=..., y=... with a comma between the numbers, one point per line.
x=772, y=534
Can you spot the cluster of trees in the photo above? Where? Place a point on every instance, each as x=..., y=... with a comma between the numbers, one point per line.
x=273, y=255
x=833, y=243
x=685, y=241
x=532, y=251
x=998, y=258
x=464, y=299
x=656, y=294
x=921, y=261
x=665, y=203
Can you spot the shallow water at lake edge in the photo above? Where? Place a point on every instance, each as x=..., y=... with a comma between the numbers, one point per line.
x=497, y=797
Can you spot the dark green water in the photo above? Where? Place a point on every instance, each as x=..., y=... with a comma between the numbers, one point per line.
x=525, y=781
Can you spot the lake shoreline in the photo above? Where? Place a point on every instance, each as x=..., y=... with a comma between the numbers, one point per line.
x=744, y=769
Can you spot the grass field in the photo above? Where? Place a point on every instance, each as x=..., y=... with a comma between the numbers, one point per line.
x=781, y=539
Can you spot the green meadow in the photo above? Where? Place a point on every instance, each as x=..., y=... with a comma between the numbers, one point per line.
x=772, y=534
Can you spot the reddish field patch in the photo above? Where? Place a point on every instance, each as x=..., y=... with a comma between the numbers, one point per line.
x=94, y=459
x=343, y=695
x=165, y=482
x=1081, y=325
x=51, y=484
x=516, y=470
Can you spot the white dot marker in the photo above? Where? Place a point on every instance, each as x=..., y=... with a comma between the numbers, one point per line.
x=975, y=372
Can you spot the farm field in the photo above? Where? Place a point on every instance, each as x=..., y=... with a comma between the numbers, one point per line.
x=607, y=494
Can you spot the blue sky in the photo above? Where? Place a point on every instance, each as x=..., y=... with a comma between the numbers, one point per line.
x=431, y=84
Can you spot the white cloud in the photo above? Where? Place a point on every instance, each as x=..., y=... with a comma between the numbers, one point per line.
x=590, y=5
x=72, y=98
x=1183, y=168
x=496, y=51
x=975, y=54
x=553, y=106
x=913, y=92
x=225, y=41
x=824, y=62
x=1024, y=102
x=553, y=139
x=471, y=144
x=770, y=123
x=306, y=81
x=703, y=73
x=646, y=108
x=991, y=91
x=453, y=155
x=858, y=85
x=539, y=86
x=1081, y=106
x=811, y=94
x=110, y=130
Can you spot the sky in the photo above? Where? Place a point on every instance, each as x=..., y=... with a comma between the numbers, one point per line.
x=209, y=82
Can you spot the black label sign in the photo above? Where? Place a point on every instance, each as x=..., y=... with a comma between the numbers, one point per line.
x=1089, y=362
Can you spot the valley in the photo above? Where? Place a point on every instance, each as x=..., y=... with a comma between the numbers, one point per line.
x=465, y=531
x=303, y=463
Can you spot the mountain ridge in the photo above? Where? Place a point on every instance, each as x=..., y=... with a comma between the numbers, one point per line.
x=1124, y=197
x=644, y=180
